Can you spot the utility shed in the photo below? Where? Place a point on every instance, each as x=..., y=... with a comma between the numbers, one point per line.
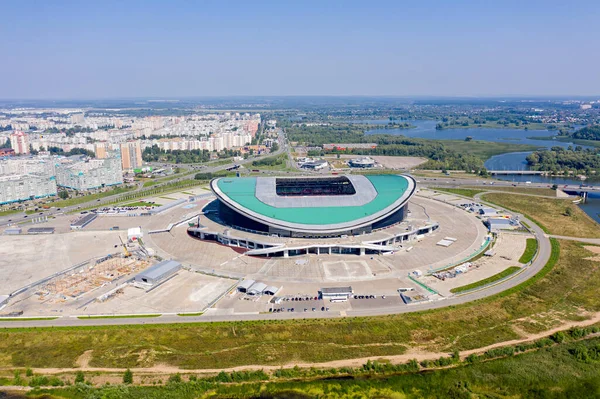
x=41, y=230
x=256, y=289
x=271, y=290
x=336, y=292
x=158, y=273
x=13, y=230
x=245, y=285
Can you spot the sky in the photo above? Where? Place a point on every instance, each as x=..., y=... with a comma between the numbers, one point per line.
x=158, y=49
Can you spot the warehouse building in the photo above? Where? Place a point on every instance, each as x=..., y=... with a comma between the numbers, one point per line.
x=336, y=293
x=84, y=221
x=158, y=273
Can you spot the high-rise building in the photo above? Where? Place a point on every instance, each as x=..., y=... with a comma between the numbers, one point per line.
x=131, y=155
x=77, y=119
x=25, y=179
x=100, y=150
x=89, y=174
x=19, y=142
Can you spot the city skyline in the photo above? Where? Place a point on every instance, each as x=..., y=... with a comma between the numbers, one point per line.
x=147, y=49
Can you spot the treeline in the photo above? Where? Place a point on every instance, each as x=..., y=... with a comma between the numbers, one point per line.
x=70, y=131
x=587, y=133
x=558, y=159
x=156, y=154
x=74, y=151
x=387, y=144
x=324, y=134
x=439, y=156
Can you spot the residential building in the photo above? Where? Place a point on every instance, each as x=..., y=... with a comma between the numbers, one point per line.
x=19, y=142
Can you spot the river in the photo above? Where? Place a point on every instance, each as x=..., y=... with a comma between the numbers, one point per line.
x=509, y=161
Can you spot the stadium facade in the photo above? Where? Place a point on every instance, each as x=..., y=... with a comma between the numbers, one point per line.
x=308, y=212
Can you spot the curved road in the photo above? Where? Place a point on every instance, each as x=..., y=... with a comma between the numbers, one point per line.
x=544, y=251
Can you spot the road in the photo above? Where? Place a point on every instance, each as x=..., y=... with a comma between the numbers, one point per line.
x=539, y=262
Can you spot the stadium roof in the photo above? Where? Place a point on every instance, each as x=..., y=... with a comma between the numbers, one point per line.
x=376, y=197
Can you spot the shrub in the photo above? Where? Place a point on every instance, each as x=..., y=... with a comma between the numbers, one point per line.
x=79, y=377
x=128, y=377
x=174, y=378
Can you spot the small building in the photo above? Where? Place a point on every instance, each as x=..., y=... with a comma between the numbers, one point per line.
x=336, y=292
x=245, y=285
x=158, y=273
x=13, y=230
x=256, y=289
x=134, y=233
x=271, y=290
x=84, y=221
x=496, y=224
x=315, y=165
x=485, y=211
x=41, y=230
x=364, y=162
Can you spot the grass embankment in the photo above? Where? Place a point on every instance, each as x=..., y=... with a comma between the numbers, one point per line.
x=489, y=280
x=484, y=149
x=530, y=250
x=555, y=216
x=534, y=306
x=548, y=192
x=574, y=365
x=90, y=197
x=465, y=192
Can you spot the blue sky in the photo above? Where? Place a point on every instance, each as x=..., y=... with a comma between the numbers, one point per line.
x=106, y=49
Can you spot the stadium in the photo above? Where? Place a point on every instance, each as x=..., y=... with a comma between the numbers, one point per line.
x=282, y=216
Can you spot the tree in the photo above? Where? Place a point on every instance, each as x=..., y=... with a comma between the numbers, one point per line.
x=128, y=377
x=555, y=187
x=568, y=212
x=63, y=194
x=79, y=377
x=468, y=138
x=6, y=144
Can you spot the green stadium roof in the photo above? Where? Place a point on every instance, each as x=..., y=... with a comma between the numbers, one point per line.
x=391, y=190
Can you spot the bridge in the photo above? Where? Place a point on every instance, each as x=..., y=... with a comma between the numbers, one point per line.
x=517, y=172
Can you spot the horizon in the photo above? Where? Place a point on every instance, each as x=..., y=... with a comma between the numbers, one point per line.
x=112, y=50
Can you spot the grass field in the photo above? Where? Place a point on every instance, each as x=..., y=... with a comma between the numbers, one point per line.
x=90, y=197
x=550, y=214
x=505, y=273
x=575, y=366
x=520, y=190
x=465, y=192
x=529, y=252
x=535, y=305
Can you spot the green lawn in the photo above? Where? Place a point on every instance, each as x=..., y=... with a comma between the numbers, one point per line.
x=550, y=214
x=530, y=251
x=505, y=273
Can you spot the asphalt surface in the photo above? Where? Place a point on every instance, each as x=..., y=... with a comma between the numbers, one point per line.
x=544, y=251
